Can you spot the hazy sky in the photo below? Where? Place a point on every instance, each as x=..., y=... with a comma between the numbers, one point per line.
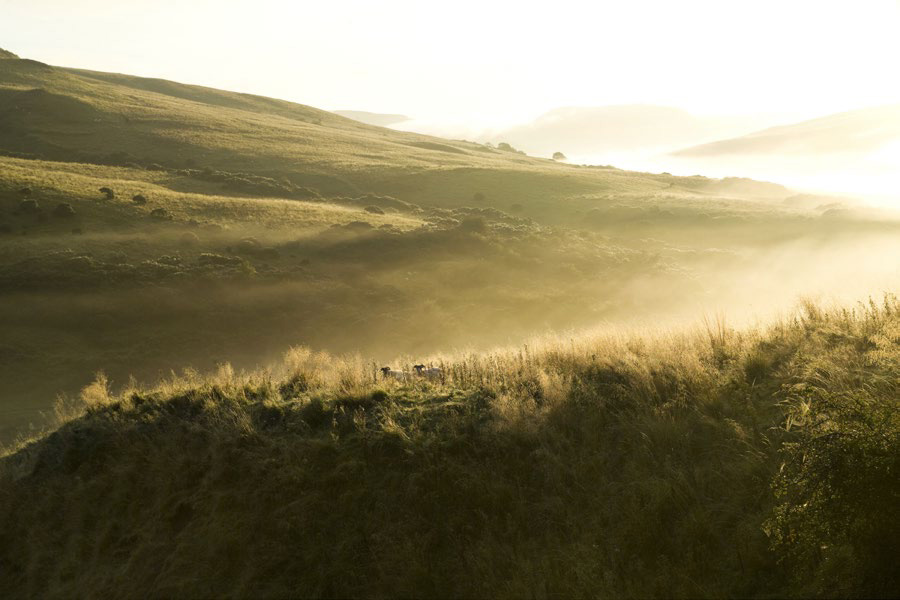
x=486, y=61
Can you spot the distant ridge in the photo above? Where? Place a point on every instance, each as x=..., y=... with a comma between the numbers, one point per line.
x=7, y=54
x=857, y=131
x=628, y=127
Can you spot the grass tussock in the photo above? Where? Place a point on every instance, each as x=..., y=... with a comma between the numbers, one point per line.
x=718, y=463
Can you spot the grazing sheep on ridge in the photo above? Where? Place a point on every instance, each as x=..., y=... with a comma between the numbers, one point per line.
x=428, y=372
x=389, y=373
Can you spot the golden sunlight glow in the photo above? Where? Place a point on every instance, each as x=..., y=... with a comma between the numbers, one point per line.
x=487, y=63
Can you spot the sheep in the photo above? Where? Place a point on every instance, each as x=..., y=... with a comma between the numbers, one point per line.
x=428, y=372
x=389, y=373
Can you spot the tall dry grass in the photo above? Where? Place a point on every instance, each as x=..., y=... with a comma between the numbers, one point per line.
x=691, y=464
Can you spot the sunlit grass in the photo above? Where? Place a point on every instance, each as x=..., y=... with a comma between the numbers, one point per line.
x=624, y=466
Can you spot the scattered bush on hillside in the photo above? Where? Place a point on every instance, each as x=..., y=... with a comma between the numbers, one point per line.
x=359, y=226
x=29, y=207
x=160, y=213
x=382, y=202
x=108, y=193
x=189, y=238
x=64, y=210
x=473, y=225
x=139, y=199
x=252, y=184
x=559, y=156
x=248, y=245
x=504, y=147
x=212, y=259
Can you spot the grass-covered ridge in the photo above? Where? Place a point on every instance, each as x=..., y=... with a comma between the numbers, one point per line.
x=720, y=463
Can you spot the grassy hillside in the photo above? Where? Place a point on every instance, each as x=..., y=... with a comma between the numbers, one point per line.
x=719, y=463
x=83, y=116
x=149, y=227
x=213, y=266
x=370, y=118
x=260, y=224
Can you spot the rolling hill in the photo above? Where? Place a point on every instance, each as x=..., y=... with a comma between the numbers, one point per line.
x=314, y=228
x=852, y=133
x=102, y=118
x=198, y=289
x=604, y=130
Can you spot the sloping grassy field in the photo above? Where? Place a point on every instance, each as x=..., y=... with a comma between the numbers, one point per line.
x=261, y=224
x=715, y=463
x=149, y=227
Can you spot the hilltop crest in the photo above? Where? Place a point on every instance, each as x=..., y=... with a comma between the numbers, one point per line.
x=7, y=54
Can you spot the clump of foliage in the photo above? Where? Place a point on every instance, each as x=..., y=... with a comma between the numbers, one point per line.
x=248, y=183
x=108, y=192
x=559, y=156
x=29, y=206
x=64, y=210
x=139, y=199
x=505, y=147
x=837, y=522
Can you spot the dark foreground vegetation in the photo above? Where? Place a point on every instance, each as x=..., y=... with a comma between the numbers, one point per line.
x=716, y=464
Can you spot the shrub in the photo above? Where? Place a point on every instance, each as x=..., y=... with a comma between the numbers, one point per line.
x=217, y=260
x=189, y=238
x=64, y=209
x=139, y=199
x=473, y=224
x=559, y=156
x=29, y=207
x=159, y=213
x=504, y=147
x=108, y=192
x=838, y=518
x=248, y=245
